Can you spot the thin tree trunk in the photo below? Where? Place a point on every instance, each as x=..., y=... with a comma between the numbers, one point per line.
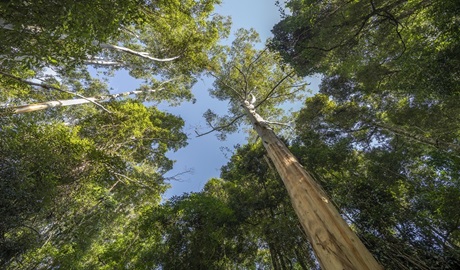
x=50, y=104
x=68, y=102
x=300, y=259
x=336, y=246
x=273, y=256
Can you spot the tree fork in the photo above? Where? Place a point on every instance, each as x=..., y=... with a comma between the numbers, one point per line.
x=336, y=246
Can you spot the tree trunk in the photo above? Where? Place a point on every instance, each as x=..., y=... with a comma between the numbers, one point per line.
x=70, y=102
x=336, y=246
x=50, y=104
x=273, y=256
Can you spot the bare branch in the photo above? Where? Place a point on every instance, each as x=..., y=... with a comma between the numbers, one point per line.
x=70, y=102
x=220, y=127
x=46, y=86
x=299, y=85
x=136, y=53
x=176, y=177
x=253, y=99
x=113, y=186
x=288, y=94
x=102, y=63
x=245, y=82
x=274, y=88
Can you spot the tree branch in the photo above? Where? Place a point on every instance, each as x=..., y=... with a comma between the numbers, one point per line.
x=97, y=62
x=274, y=88
x=231, y=88
x=257, y=58
x=131, y=181
x=290, y=93
x=245, y=82
x=136, y=53
x=220, y=127
x=46, y=86
x=279, y=124
x=176, y=177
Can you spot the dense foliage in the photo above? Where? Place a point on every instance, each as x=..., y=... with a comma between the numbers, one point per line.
x=81, y=186
x=242, y=221
x=153, y=41
x=382, y=134
x=75, y=182
x=67, y=189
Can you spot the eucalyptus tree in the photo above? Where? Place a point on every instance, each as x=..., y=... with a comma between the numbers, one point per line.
x=93, y=171
x=253, y=80
x=250, y=185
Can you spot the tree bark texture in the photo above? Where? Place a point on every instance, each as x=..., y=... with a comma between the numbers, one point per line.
x=335, y=245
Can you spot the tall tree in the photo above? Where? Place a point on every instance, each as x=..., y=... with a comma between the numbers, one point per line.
x=386, y=118
x=408, y=217
x=248, y=74
x=254, y=190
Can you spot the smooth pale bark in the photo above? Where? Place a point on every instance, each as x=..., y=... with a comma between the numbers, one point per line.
x=106, y=63
x=69, y=102
x=50, y=104
x=336, y=246
x=136, y=53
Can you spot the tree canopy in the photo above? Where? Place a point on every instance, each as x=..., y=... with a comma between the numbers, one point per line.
x=60, y=42
x=76, y=181
x=81, y=186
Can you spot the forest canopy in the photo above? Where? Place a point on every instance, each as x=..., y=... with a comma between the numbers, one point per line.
x=82, y=184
